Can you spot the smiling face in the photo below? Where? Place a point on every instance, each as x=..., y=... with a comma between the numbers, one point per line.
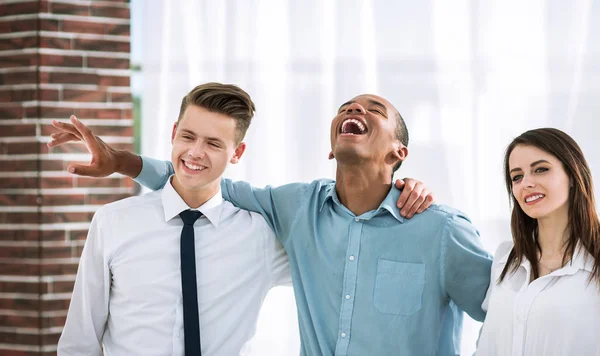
x=364, y=130
x=539, y=182
x=203, y=143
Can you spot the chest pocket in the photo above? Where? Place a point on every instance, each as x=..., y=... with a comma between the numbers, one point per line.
x=399, y=287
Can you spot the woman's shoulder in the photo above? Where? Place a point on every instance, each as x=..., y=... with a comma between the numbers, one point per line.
x=502, y=252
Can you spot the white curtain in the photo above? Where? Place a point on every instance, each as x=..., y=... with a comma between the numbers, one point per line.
x=468, y=76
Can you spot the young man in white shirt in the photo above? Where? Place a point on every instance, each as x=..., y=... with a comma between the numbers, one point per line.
x=134, y=294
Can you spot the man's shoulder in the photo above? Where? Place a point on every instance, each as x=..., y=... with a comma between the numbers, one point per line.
x=130, y=206
x=444, y=212
x=232, y=215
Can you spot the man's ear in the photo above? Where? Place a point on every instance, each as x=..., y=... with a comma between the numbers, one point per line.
x=331, y=156
x=174, y=131
x=400, y=153
x=237, y=154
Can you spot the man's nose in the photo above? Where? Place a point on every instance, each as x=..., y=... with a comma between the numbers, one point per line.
x=197, y=150
x=355, y=108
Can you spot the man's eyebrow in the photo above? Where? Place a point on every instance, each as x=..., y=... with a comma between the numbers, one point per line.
x=346, y=103
x=214, y=139
x=377, y=103
x=188, y=131
x=531, y=165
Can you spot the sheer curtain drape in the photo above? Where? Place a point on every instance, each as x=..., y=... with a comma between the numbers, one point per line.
x=467, y=76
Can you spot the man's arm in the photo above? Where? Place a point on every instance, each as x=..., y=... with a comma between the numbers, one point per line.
x=465, y=266
x=278, y=205
x=88, y=311
x=151, y=173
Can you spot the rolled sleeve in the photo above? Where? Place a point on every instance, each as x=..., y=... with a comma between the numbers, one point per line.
x=155, y=173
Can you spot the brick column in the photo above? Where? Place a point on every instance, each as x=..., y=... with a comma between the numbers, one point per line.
x=57, y=58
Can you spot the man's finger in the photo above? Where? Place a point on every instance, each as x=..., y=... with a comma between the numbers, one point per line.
x=65, y=127
x=429, y=199
x=414, y=195
x=406, y=190
x=88, y=136
x=416, y=205
x=399, y=183
x=85, y=132
x=85, y=170
x=62, y=137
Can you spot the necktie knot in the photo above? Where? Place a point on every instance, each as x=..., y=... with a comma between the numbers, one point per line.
x=189, y=217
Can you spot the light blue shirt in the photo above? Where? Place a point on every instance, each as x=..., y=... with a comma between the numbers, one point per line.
x=374, y=284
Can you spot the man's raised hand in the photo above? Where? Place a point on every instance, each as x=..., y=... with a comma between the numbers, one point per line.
x=105, y=160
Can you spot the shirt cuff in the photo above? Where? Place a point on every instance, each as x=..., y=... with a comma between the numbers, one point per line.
x=153, y=173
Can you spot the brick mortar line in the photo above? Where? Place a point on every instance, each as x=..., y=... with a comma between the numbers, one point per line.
x=67, y=35
x=65, y=191
x=80, y=18
x=21, y=347
x=87, y=122
x=64, y=243
x=47, y=227
x=83, y=87
x=5, y=2
x=47, y=261
x=88, y=208
x=70, y=104
x=61, y=52
x=45, y=139
x=50, y=174
x=107, y=3
x=68, y=70
x=32, y=331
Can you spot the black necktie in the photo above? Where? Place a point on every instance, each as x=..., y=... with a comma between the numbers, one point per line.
x=191, y=325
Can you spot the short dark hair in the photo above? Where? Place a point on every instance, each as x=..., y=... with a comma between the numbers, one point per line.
x=225, y=99
x=401, y=134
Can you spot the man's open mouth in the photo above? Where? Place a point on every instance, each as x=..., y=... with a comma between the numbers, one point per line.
x=353, y=127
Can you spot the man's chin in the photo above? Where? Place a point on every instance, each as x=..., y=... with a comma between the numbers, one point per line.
x=349, y=155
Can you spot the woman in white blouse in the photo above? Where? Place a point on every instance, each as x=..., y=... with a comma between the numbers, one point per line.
x=544, y=294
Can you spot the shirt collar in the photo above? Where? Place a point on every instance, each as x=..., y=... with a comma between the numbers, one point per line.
x=331, y=195
x=173, y=204
x=582, y=260
x=389, y=203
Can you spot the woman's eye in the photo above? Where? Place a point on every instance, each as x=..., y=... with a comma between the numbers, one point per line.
x=541, y=170
x=516, y=178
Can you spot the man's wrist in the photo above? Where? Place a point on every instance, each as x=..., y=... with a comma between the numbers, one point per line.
x=128, y=163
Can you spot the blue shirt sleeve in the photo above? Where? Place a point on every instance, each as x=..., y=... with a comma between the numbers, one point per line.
x=155, y=173
x=466, y=266
x=278, y=205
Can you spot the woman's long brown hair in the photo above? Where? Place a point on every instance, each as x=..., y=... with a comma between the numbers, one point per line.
x=583, y=222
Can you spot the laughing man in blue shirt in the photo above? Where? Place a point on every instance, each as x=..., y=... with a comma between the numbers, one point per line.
x=366, y=280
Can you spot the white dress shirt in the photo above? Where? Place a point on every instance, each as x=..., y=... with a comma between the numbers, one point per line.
x=127, y=297
x=557, y=314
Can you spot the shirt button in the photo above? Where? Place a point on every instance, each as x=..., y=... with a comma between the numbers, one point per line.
x=356, y=219
x=351, y=258
x=343, y=335
x=347, y=296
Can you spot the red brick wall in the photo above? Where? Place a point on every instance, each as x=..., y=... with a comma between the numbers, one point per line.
x=57, y=58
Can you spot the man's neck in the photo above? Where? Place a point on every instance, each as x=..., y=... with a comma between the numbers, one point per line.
x=362, y=188
x=195, y=198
